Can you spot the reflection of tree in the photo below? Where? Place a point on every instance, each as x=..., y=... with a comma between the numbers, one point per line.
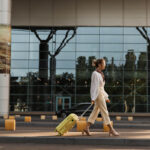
x=18, y=91
x=111, y=69
x=43, y=60
x=135, y=81
x=144, y=34
x=129, y=79
x=141, y=65
x=83, y=74
x=35, y=91
x=81, y=70
x=114, y=85
x=53, y=63
x=30, y=87
x=133, y=77
x=134, y=84
x=113, y=76
x=141, y=80
x=65, y=84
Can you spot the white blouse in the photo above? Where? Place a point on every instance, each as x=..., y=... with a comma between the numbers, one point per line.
x=97, y=84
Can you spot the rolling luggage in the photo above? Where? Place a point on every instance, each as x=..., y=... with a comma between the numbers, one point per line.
x=69, y=122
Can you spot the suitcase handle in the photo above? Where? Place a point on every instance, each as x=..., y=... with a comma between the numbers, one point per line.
x=86, y=110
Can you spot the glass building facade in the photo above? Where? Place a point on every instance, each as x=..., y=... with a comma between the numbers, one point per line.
x=126, y=73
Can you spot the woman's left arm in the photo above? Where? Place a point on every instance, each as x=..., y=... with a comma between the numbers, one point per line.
x=106, y=95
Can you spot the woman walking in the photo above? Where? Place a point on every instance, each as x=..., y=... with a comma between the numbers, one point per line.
x=99, y=98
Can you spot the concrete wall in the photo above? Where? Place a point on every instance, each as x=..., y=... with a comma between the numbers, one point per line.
x=81, y=12
x=5, y=47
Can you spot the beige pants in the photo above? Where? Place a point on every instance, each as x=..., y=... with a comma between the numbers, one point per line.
x=100, y=106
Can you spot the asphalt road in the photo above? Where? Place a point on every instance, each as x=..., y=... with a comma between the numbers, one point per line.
x=27, y=146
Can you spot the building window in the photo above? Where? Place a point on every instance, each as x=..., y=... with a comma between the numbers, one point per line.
x=124, y=49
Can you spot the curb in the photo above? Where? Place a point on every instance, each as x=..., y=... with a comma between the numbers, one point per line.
x=77, y=141
x=95, y=126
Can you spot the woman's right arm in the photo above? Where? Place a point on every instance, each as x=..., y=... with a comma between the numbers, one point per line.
x=94, y=86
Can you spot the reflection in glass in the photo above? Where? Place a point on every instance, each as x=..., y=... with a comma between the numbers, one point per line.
x=125, y=52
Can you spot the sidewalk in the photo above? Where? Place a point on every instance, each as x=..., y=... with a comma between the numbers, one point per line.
x=129, y=137
x=136, y=133
x=39, y=132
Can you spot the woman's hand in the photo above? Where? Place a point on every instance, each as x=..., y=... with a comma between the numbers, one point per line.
x=92, y=101
x=107, y=101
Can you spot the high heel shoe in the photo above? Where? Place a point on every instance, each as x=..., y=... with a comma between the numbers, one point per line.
x=86, y=131
x=113, y=132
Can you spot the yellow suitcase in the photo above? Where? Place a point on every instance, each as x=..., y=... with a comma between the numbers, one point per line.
x=67, y=124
